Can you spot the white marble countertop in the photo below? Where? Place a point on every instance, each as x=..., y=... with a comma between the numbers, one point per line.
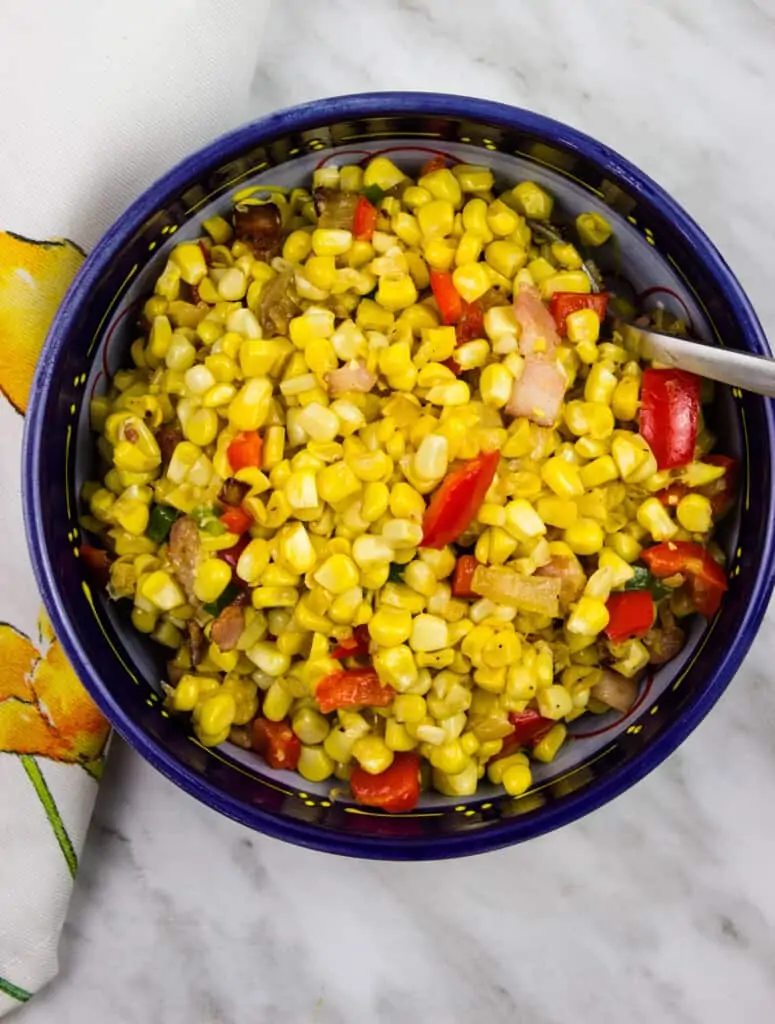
x=661, y=906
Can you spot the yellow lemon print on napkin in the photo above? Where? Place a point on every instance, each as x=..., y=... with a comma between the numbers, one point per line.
x=44, y=709
x=34, y=277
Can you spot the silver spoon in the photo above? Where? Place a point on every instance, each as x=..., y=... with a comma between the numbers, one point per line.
x=738, y=369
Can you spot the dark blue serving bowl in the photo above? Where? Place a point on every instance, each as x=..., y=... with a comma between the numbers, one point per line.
x=659, y=245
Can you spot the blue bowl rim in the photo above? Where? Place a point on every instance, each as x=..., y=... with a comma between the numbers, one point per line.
x=304, y=117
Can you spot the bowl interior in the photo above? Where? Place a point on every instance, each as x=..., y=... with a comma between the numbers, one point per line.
x=657, y=246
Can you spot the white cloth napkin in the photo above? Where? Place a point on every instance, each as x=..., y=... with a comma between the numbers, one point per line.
x=98, y=100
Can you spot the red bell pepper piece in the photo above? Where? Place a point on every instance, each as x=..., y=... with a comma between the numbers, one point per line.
x=397, y=789
x=721, y=492
x=454, y=365
x=364, y=219
x=631, y=615
x=353, y=646
x=448, y=298
x=706, y=579
x=236, y=520
x=463, y=576
x=276, y=742
x=352, y=687
x=471, y=323
x=231, y=557
x=530, y=727
x=436, y=163
x=562, y=304
x=245, y=451
x=669, y=415
x=457, y=500
x=97, y=563
x=671, y=495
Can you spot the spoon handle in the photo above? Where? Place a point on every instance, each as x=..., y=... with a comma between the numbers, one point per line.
x=738, y=369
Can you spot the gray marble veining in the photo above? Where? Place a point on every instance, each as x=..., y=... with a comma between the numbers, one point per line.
x=658, y=908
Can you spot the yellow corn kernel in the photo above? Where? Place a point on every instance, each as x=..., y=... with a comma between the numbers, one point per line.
x=600, y=384
x=331, y=241
x=471, y=280
x=429, y=633
x=517, y=779
x=372, y=754
x=337, y=574
x=296, y=548
x=213, y=718
x=269, y=659
x=475, y=219
x=584, y=537
x=218, y=229
x=276, y=703
x=473, y=177
x=654, y=517
x=310, y=726
x=436, y=218
x=396, y=736
x=501, y=219
x=522, y=520
x=583, y=326
x=275, y=597
x=430, y=463
x=497, y=769
x=619, y=569
x=454, y=394
x=546, y=749
x=409, y=707
x=144, y=621
x=626, y=399
x=212, y=578
x=441, y=562
x=442, y=184
x=505, y=257
x=495, y=385
x=629, y=453
x=162, y=591
x=250, y=408
x=297, y=246
x=449, y=757
x=469, y=249
x=396, y=667
x=599, y=584
x=694, y=513
x=600, y=471
x=562, y=477
x=698, y=474
x=588, y=618
x=593, y=229
x=532, y=200
x=565, y=281
x=405, y=502
x=419, y=577
x=402, y=533
x=369, y=551
x=189, y=259
x=390, y=627
x=502, y=649
x=382, y=172
x=396, y=291
x=559, y=512
x=631, y=657
x=374, y=501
